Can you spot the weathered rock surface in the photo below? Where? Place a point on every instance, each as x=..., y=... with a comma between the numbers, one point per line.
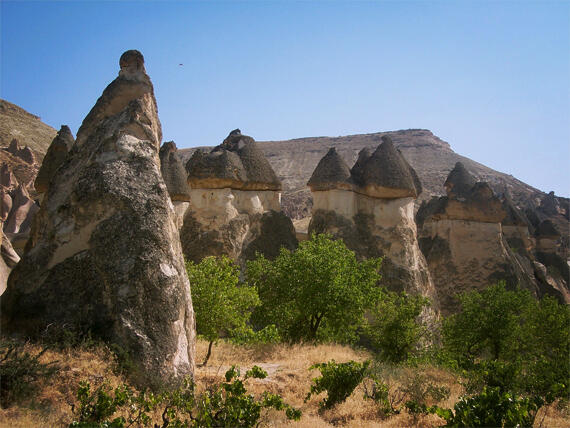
x=375, y=217
x=472, y=239
x=176, y=180
x=104, y=253
x=234, y=204
x=54, y=158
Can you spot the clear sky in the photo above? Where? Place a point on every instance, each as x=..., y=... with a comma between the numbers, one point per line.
x=491, y=78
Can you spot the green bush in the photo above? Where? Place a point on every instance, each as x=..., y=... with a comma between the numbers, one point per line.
x=20, y=373
x=318, y=292
x=491, y=408
x=338, y=380
x=223, y=405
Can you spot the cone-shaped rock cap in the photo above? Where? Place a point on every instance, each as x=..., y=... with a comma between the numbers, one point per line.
x=55, y=156
x=331, y=173
x=236, y=163
x=386, y=174
x=173, y=172
x=459, y=182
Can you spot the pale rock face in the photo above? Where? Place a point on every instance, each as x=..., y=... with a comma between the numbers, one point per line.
x=226, y=219
x=376, y=227
x=104, y=253
x=180, y=208
x=343, y=202
x=464, y=255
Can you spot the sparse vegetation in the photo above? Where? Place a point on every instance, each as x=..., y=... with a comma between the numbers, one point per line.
x=20, y=372
x=223, y=405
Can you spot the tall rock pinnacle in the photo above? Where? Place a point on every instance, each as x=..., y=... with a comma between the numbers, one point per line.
x=104, y=253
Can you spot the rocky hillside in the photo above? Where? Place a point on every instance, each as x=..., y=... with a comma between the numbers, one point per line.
x=295, y=160
x=29, y=130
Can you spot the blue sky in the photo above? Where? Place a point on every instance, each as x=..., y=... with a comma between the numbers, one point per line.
x=491, y=78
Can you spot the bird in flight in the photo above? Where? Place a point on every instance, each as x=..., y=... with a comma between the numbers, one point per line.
x=181, y=64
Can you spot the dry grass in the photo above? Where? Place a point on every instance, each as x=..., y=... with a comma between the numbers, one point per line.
x=288, y=375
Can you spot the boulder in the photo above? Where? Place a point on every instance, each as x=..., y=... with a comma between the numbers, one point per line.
x=104, y=253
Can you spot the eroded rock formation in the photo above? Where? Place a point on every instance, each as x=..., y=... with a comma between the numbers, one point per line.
x=472, y=239
x=371, y=207
x=54, y=158
x=104, y=253
x=176, y=179
x=234, y=203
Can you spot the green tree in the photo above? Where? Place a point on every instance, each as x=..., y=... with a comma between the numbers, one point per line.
x=511, y=341
x=320, y=291
x=394, y=329
x=222, y=305
x=490, y=324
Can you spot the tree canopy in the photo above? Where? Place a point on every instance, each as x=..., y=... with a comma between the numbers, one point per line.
x=320, y=291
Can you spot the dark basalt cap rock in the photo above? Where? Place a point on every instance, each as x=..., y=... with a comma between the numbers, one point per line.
x=459, y=182
x=236, y=163
x=331, y=173
x=385, y=174
x=173, y=172
x=55, y=156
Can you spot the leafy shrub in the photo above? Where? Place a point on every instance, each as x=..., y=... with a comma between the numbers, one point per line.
x=338, y=380
x=491, y=408
x=223, y=405
x=20, y=373
x=318, y=292
x=395, y=331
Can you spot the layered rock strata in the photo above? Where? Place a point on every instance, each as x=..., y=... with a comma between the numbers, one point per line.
x=104, y=254
x=371, y=207
x=472, y=239
x=234, y=204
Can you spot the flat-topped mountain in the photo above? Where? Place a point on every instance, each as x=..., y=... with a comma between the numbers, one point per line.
x=432, y=158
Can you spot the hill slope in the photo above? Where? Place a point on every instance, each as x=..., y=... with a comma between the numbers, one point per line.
x=29, y=130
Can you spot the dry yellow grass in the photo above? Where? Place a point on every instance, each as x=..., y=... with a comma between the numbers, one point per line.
x=289, y=376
